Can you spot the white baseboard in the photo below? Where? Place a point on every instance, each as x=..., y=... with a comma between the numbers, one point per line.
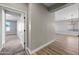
x=28, y=50
x=39, y=48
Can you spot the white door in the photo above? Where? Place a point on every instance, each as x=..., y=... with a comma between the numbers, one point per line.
x=20, y=28
x=2, y=27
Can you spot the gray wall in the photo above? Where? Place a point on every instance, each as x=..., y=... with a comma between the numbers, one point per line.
x=42, y=30
x=13, y=27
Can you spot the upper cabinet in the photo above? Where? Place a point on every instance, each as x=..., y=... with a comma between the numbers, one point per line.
x=66, y=13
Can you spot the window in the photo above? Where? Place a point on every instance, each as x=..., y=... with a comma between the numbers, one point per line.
x=7, y=26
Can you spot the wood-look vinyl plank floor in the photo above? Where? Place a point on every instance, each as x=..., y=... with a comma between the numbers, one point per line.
x=67, y=45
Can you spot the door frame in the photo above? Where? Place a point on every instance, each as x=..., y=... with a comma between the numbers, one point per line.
x=3, y=21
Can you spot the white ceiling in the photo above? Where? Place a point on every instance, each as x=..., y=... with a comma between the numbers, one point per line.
x=12, y=16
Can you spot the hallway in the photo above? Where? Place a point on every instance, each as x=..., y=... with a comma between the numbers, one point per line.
x=12, y=46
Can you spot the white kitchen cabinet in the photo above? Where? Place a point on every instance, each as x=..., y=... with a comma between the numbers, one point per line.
x=72, y=12
x=66, y=13
x=59, y=15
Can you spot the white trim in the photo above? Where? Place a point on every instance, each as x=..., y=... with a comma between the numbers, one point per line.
x=28, y=50
x=3, y=26
x=39, y=48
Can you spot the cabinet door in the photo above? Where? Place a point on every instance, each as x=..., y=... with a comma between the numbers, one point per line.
x=75, y=11
x=59, y=15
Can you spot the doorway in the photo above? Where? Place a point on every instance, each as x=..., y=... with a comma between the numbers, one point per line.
x=13, y=40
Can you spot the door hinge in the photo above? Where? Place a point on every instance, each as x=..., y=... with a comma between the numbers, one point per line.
x=24, y=43
x=24, y=17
